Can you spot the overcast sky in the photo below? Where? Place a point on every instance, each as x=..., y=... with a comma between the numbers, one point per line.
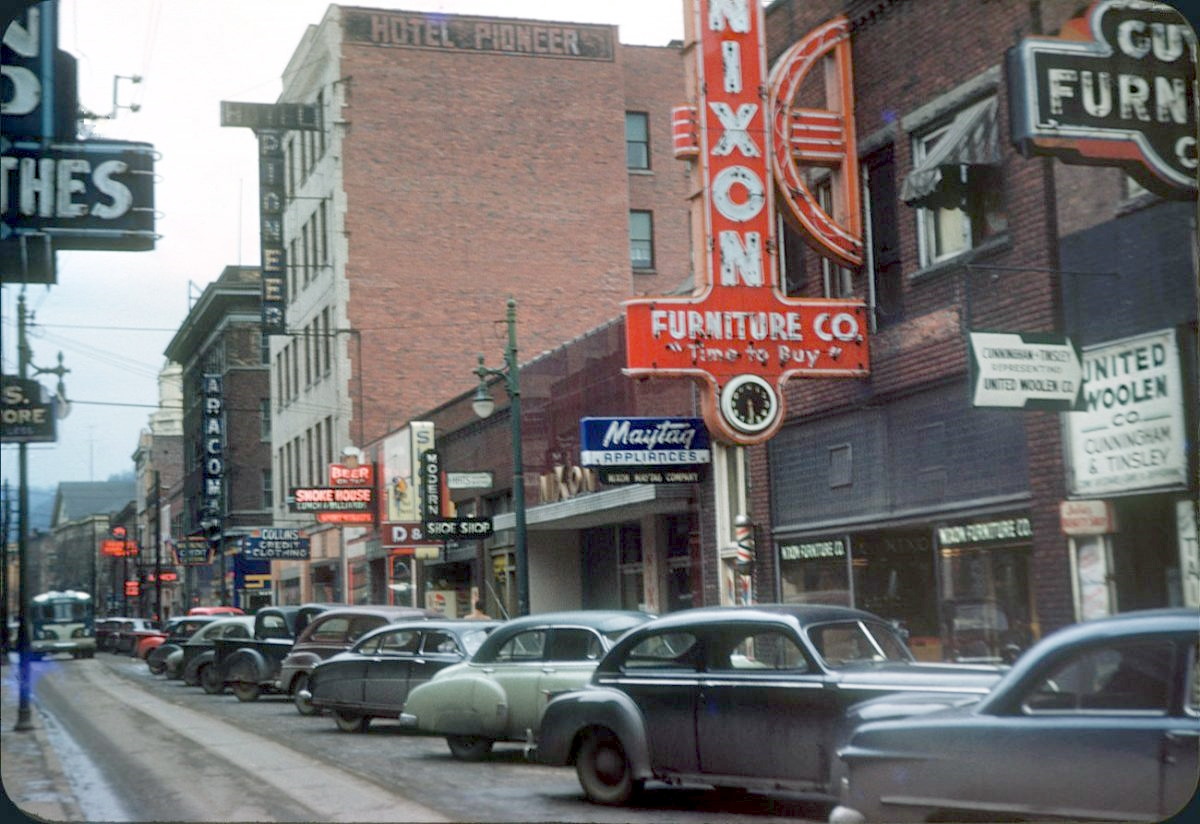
x=112, y=314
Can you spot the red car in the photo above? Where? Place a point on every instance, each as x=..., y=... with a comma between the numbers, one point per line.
x=215, y=611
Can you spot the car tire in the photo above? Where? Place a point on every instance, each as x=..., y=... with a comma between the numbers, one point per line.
x=156, y=667
x=469, y=747
x=210, y=680
x=246, y=691
x=351, y=721
x=604, y=770
x=303, y=706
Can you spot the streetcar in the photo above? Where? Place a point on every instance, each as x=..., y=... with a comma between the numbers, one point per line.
x=62, y=622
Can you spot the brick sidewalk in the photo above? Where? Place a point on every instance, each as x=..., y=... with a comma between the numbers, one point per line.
x=32, y=776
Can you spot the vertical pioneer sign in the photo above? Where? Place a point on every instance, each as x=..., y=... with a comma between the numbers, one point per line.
x=738, y=332
x=270, y=122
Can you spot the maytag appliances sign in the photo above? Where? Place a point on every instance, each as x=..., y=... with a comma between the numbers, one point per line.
x=1116, y=87
x=645, y=449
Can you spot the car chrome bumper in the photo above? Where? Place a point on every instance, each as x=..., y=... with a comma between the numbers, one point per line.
x=407, y=719
x=845, y=815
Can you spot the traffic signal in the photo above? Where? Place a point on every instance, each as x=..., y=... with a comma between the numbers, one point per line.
x=118, y=532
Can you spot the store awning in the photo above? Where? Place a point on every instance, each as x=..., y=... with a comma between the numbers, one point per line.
x=608, y=506
x=971, y=140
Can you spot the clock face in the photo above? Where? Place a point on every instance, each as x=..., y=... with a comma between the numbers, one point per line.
x=749, y=404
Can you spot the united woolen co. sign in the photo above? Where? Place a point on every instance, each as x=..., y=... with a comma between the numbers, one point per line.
x=1114, y=88
x=738, y=332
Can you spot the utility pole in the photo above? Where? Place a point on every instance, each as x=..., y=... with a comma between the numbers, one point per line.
x=23, y=715
x=158, y=610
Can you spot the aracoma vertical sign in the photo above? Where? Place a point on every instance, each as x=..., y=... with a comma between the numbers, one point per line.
x=214, y=447
x=1116, y=87
x=270, y=122
x=738, y=333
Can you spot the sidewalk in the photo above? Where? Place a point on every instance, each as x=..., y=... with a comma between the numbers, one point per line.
x=32, y=777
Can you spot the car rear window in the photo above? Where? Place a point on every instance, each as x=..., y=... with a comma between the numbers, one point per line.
x=526, y=646
x=675, y=651
x=332, y=629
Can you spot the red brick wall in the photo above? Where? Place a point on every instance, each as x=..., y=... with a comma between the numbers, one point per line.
x=472, y=177
x=906, y=53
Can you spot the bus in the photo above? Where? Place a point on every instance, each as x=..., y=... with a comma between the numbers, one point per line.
x=62, y=622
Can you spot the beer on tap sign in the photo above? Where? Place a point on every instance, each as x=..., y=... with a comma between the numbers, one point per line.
x=739, y=333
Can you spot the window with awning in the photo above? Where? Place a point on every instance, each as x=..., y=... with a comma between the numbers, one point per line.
x=970, y=140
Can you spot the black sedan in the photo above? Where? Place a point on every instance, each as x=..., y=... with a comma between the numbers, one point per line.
x=741, y=697
x=373, y=678
x=1098, y=721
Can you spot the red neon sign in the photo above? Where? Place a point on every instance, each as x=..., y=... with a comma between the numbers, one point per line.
x=738, y=332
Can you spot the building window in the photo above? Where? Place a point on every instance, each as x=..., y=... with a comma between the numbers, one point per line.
x=308, y=353
x=323, y=231
x=328, y=439
x=641, y=239
x=264, y=424
x=637, y=140
x=267, y=494
x=882, y=242
x=955, y=184
x=325, y=338
x=838, y=281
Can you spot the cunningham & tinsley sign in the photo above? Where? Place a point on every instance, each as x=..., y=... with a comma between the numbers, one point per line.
x=738, y=333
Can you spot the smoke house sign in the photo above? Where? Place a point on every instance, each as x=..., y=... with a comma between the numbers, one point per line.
x=1114, y=88
x=738, y=333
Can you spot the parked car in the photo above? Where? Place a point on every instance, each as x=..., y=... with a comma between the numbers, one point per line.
x=124, y=637
x=178, y=630
x=739, y=697
x=374, y=677
x=332, y=632
x=194, y=665
x=220, y=610
x=251, y=666
x=106, y=631
x=500, y=694
x=1098, y=721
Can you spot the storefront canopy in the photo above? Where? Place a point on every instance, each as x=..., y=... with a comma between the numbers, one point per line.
x=971, y=140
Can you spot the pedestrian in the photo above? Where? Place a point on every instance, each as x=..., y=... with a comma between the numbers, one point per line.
x=478, y=614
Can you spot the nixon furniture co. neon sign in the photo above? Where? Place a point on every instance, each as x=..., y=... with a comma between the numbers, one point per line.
x=739, y=333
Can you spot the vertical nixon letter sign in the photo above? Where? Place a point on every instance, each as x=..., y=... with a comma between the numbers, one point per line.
x=738, y=332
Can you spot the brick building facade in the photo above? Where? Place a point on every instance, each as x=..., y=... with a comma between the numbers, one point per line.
x=463, y=160
x=226, y=437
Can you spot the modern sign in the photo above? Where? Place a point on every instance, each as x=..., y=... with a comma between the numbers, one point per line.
x=739, y=334
x=1115, y=88
x=89, y=194
x=643, y=442
x=1131, y=434
x=26, y=415
x=1024, y=370
x=276, y=543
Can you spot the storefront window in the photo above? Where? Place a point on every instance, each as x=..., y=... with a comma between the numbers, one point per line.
x=504, y=581
x=633, y=594
x=894, y=578
x=985, y=593
x=360, y=583
x=400, y=580
x=815, y=571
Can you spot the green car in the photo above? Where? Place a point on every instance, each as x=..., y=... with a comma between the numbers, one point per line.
x=501, y=693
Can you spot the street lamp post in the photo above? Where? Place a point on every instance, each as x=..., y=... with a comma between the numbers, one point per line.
x=483, y=405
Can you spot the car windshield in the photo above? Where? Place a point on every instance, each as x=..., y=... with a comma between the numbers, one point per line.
x=853, y=643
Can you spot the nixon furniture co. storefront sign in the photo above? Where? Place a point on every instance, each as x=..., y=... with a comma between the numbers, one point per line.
x=739, y=334
x=1114, y=88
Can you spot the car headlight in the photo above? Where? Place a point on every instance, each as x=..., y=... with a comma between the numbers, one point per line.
x=78, y=633
x=46, y=635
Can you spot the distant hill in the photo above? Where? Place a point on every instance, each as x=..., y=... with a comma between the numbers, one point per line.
x=41, y=508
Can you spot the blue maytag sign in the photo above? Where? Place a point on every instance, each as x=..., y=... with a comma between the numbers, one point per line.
x=643, y=442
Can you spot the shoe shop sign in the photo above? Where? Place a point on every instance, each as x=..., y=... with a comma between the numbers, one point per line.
x=1114, y=88
x=738, y=333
